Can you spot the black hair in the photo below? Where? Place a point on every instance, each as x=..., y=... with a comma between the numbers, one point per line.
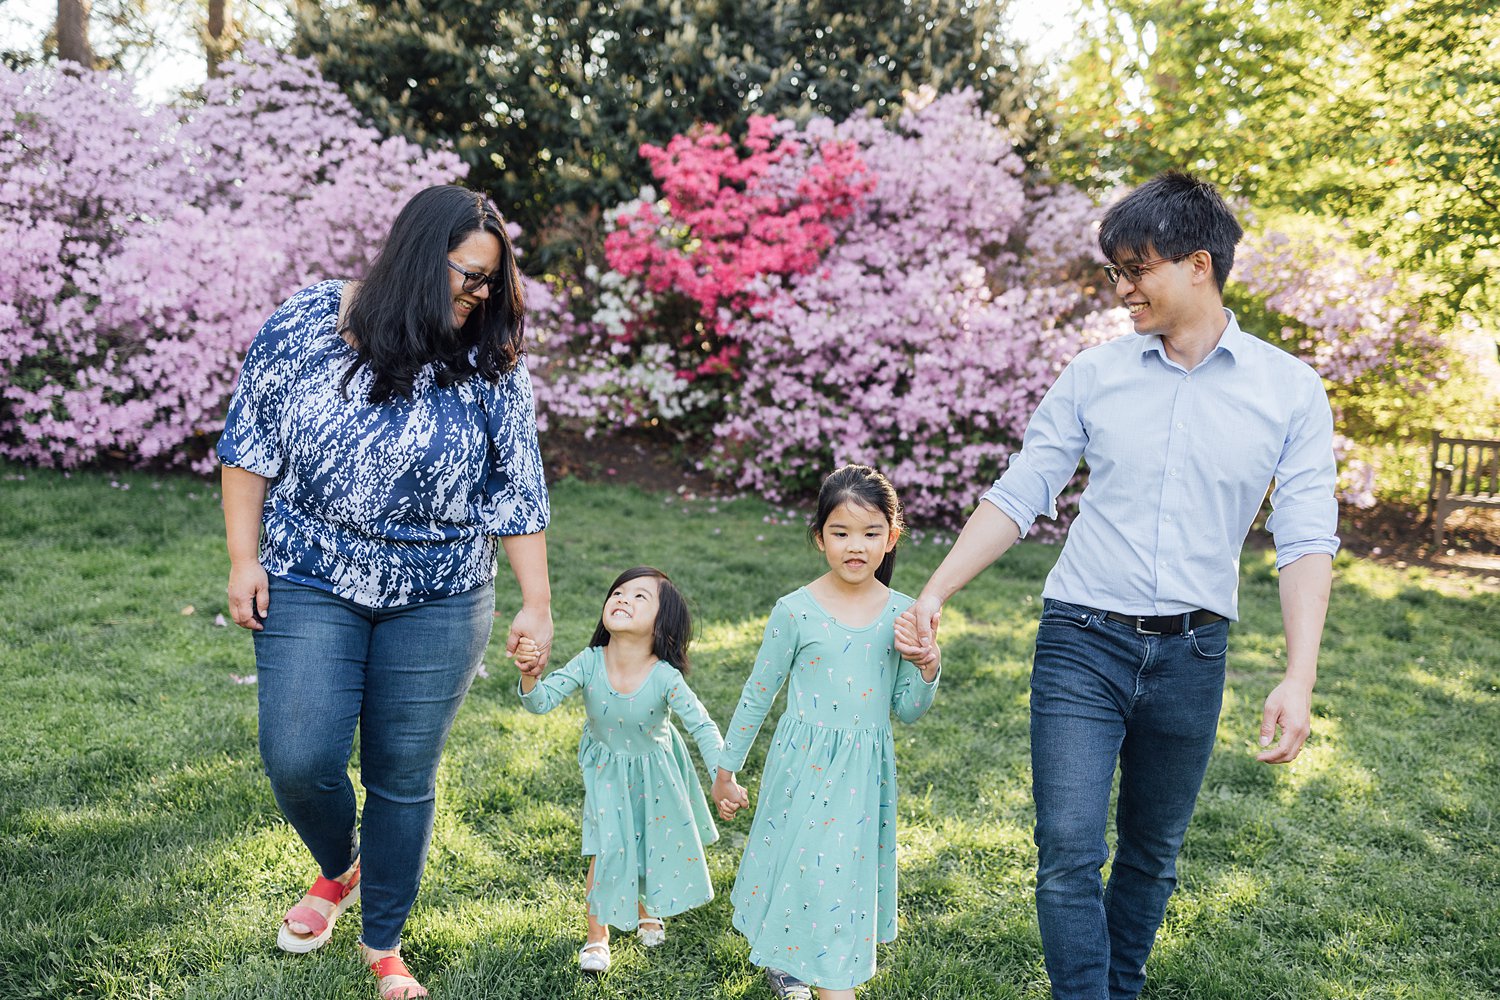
x=674, y=622
x=402, y=314
x=864, y=487
x=1172, y=215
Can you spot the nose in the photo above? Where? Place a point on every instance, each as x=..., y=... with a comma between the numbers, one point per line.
x=482, y=292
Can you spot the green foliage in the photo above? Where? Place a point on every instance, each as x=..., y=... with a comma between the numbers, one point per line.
x=549, y=100
x=142, y=856
x=1384, y=113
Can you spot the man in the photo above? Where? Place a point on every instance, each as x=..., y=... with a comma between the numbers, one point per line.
x=1183, y=427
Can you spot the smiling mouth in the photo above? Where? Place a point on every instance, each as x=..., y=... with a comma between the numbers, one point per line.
x=1136, y=308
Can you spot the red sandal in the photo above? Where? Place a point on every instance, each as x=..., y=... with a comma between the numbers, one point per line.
x=391, y=967
x=320, y=928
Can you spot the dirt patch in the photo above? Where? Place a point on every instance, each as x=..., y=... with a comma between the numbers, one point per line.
x=651, y=463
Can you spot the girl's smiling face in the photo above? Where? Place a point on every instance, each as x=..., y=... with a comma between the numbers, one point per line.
x=631, y=608
x=854, y=540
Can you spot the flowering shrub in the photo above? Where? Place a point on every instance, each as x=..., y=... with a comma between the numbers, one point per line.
x=889, y=294
x=946, y=307
x=141, y=248
x=641, y=341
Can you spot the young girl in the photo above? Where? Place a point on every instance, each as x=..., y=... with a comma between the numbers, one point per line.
x=817, y=884
x=645, y=820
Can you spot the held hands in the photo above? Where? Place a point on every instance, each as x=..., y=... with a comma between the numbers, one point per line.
x=534, y=626
x=249, y=595
x=729, y=795
x=1288, y=707
x=529, y=658
x=925, y=656
x=916, y=634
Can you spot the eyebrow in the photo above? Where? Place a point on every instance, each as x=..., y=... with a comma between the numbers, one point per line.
x=840, y=524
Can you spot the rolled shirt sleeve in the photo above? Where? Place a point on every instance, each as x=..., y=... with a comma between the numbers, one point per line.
x=1050, y=451
x=1304, y=514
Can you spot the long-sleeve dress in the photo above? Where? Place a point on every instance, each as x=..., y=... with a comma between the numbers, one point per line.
x=645, y=817
x=816, y=889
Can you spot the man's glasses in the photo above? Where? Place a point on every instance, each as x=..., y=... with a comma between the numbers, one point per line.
x=1135, y=272
x=473, y=280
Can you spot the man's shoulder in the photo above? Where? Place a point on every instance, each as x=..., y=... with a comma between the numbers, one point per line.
x=1252, y=350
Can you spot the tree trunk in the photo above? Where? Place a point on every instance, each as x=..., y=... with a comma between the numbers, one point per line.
x=73, y=32
x=215, y=44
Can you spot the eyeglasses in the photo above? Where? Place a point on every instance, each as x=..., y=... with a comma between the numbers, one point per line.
x=474, y=280
x=1134, y=272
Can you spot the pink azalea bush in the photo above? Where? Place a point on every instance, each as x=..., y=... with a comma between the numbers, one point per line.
x=892, y=294
x=141, y=248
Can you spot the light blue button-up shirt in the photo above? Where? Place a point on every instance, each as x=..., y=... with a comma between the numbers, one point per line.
x=1179, y=462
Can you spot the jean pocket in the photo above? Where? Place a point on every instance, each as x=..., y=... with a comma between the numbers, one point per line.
x=1210, y=642
x=1058, y=613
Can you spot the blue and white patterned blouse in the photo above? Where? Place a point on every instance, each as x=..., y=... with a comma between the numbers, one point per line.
x=382, y=504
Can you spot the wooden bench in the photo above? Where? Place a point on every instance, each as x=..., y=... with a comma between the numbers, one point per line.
x=1465, y=473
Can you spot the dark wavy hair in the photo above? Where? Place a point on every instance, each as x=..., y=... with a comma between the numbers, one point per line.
x=864, y=487
x=674, y=622
x=1173, y=214
x=401, y=318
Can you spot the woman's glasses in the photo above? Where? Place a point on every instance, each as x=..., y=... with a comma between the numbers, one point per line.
x=473, y=280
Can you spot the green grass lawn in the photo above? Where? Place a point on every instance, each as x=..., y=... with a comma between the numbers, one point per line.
x=141, y=854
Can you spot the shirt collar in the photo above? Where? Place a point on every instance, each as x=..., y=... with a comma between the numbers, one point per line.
x=1231, y=341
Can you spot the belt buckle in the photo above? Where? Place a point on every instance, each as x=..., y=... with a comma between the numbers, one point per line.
x=1140, y=626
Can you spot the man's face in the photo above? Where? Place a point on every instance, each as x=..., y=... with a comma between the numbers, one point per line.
x=1155, y=289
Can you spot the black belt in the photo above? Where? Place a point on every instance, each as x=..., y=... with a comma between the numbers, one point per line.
x=1164, y=624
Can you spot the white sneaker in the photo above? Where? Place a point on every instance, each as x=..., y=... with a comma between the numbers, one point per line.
x=652, y=931
x=594, y=958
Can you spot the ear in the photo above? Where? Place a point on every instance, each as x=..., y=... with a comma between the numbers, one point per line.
x=1203, y=265
x=818, y=541
x=892, y=539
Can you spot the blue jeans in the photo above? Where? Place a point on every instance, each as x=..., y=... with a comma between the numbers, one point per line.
x=325, y=665
x=1102, y=694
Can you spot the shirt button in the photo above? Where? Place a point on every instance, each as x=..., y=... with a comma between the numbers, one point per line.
x=1179, y=425
x=1172, y=473
x=1168, y=519
x=1187, y=378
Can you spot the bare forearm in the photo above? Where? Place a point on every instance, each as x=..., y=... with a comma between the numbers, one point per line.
x=985, y=538
x=244, y=499
x=527, y=555
x=1304, y=587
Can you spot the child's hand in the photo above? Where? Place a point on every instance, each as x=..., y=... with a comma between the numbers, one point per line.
x=729, y=795
x=907, y=642
x=528, y=657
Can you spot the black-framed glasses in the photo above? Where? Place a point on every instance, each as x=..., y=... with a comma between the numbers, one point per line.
x=1135, y=272
x=474, y=280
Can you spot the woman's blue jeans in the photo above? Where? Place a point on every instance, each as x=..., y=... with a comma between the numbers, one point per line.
x=325, y=665
x=1101, y=695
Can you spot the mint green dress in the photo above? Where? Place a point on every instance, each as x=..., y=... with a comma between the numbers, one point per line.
x=645, y=817
x=816, y=889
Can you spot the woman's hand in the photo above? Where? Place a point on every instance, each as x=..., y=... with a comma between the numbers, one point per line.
x=532, y=626
x=249, y=595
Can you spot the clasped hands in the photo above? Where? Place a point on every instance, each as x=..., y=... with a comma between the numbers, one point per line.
x=916, y=636
x=729, y=795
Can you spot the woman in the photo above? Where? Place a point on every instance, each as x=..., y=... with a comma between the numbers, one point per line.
x=381, y=438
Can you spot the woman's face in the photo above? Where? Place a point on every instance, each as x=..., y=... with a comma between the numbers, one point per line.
x=480, y=253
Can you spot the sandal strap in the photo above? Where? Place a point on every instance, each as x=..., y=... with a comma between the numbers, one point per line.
x=331, y=890
x=595, y=946
x=308, y=917
x=390, y=965
x=657, y=922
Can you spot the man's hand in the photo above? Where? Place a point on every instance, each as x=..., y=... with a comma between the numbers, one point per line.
x=1289, y=708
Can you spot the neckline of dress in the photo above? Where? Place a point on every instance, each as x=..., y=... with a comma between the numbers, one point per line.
x=843, y=624
x=610, y=684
